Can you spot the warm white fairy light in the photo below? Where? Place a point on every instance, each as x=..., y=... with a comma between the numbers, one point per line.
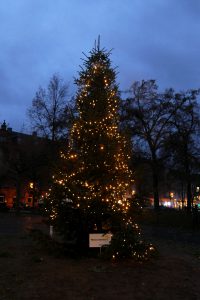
x=95, y=133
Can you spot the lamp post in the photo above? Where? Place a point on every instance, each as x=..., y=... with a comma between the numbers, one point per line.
x=171, y=197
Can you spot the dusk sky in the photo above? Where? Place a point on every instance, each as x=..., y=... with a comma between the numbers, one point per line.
x=151, y=39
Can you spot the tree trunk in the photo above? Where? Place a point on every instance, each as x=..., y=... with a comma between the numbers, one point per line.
x=155, y=181
x=189, y=196
x=155, y=190
x=188, y=180
x=182, y=194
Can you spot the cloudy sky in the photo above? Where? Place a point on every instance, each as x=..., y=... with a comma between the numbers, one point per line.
x=151, y=39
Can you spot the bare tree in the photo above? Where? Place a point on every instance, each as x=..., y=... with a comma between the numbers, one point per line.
x=148, y=115
x=50, y=109
x=184, y=143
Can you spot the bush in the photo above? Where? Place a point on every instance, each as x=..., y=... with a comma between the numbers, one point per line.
x=127, y=243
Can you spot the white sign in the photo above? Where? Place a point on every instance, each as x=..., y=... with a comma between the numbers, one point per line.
x=97, y=240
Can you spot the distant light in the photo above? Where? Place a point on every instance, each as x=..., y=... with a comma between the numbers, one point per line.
x=167, y=204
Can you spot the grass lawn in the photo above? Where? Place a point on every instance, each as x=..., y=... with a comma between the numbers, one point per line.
x=29, y=271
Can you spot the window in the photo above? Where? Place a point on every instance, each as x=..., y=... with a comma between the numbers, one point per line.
x=29, y=199
x=2, y=198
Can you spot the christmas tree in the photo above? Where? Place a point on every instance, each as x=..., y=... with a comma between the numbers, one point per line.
x=89, y=193
x=95, y=141
x=97, y=151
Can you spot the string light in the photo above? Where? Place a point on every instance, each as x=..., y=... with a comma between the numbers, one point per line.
x=97, y=159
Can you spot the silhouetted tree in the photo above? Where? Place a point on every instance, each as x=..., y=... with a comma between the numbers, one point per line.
x=148, y=116
x=184, y=142
x=51, y=112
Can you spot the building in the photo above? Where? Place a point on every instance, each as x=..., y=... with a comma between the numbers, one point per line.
x=22, y=168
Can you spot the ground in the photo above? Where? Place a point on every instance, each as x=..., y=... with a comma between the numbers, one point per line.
x=28, y=271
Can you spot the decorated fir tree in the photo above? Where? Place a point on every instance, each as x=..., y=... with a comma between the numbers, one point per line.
x=97, y=158
x=97, y=148
x=89, y=193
